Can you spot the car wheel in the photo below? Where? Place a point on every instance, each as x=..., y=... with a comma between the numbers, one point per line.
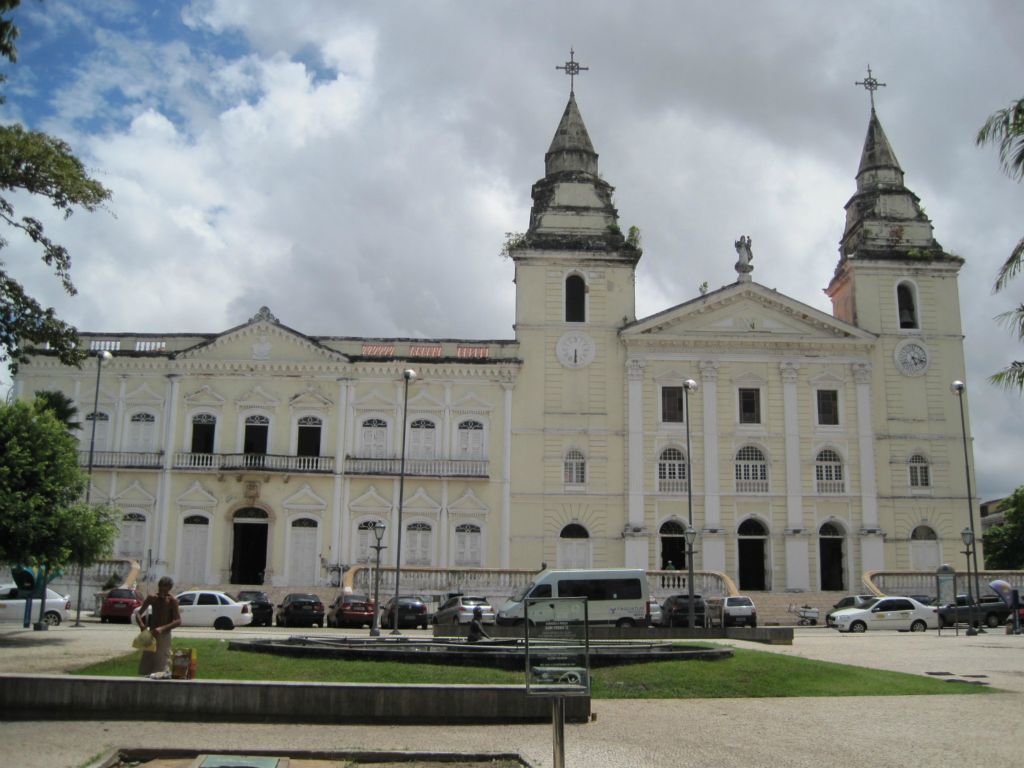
x=621, y=623
x=280, y=622
x=51, y=618
x=423, y=626
x=103, y=619
x=455, y=620
x=223, y=622
x=918, y=626
x=858, y=626
x=991, y=621
x=321, y=622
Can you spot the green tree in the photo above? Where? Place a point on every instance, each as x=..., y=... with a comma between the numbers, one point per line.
x=1006, y=129
x=42, y=520
x=62, y=406
x=39, y=164
x=1004, y=544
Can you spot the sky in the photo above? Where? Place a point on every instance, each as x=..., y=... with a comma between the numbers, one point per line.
x=356, y=166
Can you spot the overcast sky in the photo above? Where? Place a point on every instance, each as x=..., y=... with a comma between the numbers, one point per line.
x=355, y=166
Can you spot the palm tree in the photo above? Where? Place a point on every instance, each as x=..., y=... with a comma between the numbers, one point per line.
x=1006, y=128
x=62, y=406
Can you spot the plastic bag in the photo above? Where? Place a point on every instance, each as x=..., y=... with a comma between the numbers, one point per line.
x=144, y=641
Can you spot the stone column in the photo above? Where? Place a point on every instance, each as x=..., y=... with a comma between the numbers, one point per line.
x=797, y=560
x=637, y=553
x=506, y=475
x=163, y=501
x=712, y=546
x=872, y=544
x=339, y=514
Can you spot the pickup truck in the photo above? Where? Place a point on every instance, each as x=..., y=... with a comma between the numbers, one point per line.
x=990, y=611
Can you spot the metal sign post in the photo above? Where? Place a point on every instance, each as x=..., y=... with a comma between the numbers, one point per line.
x=557, y=657
x=945, y=593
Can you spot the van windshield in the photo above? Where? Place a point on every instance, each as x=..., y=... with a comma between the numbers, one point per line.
x=521, y=594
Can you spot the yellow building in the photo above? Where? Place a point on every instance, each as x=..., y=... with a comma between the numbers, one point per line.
x=806, y=448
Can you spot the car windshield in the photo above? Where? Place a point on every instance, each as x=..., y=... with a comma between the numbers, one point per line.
x=867, y=603
x=474, y=601
x=356, y=599
x=121, y=593
x=302, y=598
x=261, y=596
x=739, y=601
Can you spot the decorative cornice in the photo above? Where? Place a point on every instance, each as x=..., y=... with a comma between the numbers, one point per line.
x=790, y=371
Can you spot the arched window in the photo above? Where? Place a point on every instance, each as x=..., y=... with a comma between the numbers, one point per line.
x=672, y=476
x=470, y=440
x=575, y=468
x=920, y=472
x=828, y=472
x=374, y=438
x=141, y=435
x=574, y=547
x=132, y=541
x=467, y=545
x=307, y=438
x=906, y=305
x=420, y=539
x=925, y=552
x=365, y=541
x=575, y=299
x=422, y=434
x=255, y=439
x=100, y=422
x=751, y=470
x=204, y=426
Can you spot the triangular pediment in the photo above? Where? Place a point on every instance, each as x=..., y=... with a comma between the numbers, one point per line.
x=373, y=401
x=471, y=404
x=258, y=397
x=143, y=395
x=305, y=499
x=425, y=402
x=468, y=504
x=196, y=496
x=744, y=311
x=134, y=496
x=371, y=502
x=262, y=339
x=421, y=504
x=311, y=398
x=205, y=396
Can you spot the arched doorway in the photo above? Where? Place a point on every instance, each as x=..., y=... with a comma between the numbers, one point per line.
x=831, y=563
x=574, y=547
x=924, y=549
x=752, y=554
x=303, y=562
x=673, y=545
x=249, y=546
x=195, y=532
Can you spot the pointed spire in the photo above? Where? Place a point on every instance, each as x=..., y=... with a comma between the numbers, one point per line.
x=878, y=163
x=571, y=149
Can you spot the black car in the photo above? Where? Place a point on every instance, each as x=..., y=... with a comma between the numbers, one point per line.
x=412, y=612
x=675, y=611
x=300, y=609
x=262, y=608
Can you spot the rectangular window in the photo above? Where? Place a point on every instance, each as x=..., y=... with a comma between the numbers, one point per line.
x=828, y=407
x=672, y=405
x=750, y=406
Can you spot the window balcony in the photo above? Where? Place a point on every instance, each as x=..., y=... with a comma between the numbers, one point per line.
x=122, y=459
x=261, y=462
x=355, y=465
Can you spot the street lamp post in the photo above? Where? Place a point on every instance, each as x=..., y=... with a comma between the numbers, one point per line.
x=378, y=533
x=691, y=533
x=958, y=388
x=101, y=356
x=967, y=537
x=409, y=375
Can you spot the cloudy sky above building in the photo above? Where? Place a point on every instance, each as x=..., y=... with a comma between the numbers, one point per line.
x=355, y=166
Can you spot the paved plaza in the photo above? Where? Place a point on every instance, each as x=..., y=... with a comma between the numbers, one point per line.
x=877, y=731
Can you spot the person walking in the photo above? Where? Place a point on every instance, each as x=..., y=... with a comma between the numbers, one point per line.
x=161, y=612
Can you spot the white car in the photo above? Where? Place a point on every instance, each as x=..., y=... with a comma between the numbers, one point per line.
x=206, y=608
x=900, y=613
x=12, y=606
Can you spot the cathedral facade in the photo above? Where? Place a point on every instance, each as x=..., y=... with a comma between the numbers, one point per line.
x=805, y=448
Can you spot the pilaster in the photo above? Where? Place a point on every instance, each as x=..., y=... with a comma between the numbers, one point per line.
x=712, y=477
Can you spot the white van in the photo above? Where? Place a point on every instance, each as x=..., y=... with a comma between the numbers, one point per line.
x=616, y=596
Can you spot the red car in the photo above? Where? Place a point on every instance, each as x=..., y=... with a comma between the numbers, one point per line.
x=119, y=604
x=351, y=611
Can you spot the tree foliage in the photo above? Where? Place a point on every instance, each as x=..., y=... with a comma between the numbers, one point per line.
x=42, y=519
x=1005, y=128
x=61, y=406
x=1004, y=544
x=34, y=163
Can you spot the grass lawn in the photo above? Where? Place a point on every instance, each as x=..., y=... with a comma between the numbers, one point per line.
x=749, y=674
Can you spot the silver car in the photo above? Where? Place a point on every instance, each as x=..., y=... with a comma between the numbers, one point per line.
x=459, y=610
x=12, y=605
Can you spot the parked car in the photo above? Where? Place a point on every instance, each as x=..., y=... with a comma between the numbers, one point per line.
x=654, y=609
x=459, y=610
x=206, y=608
x=412, y=612
x=900, y=613
x=259, y=602
x=351, y=611
x=990, y=610
x=300, y=609
x=12, y=605
x=119, y=604
x=675, y=611
x=739, y=611
x=850, y=601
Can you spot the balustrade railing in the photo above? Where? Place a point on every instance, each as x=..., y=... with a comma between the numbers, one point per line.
x=215, y=462
x=124, y=459
x=417, y=467
x=923, y=582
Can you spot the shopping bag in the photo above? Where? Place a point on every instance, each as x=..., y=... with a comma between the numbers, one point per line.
x=183, y=664
x=144, y=641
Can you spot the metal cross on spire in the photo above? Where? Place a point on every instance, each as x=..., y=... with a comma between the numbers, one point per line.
x=870, y=85
x=572, y=68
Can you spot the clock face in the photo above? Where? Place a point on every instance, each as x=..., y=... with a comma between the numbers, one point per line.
x=912, y=358
x=575, y=349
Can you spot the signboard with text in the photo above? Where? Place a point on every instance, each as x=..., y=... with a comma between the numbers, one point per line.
x=558, y=647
